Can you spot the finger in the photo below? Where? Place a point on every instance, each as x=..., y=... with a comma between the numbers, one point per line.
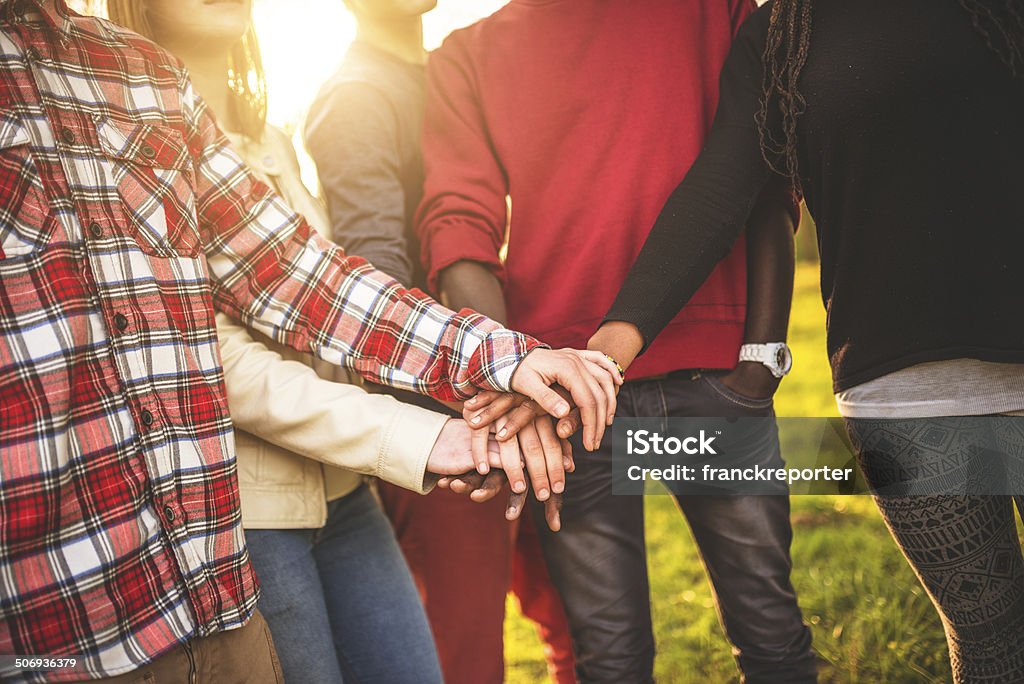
x=467, y=483
x=444, y=482
x=568, y=426
x=567, y=460
x=572, y=422
x=553, y=513
x=553, y=454
x=606, y=363
x=480, y=399
x=603, y=399
x=490, y=487
x=536, y=465
x=479, y=445
x=599, y=411
x=533, y=386
x=607, y=386
x=494, y=451
x=462, y=487
x=495, y=408
x=517, y=419
x=578, y=382
x=512, y=464
x=570, y=375
x=516, y=503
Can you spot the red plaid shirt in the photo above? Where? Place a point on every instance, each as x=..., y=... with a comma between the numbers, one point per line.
x=125, y=221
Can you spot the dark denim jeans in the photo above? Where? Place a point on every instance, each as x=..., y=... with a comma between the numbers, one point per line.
x=340, y=601
x=598, y=561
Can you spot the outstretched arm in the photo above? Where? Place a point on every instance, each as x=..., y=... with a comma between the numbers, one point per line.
x=703, y=216
x=270, y=271
x=286, y=403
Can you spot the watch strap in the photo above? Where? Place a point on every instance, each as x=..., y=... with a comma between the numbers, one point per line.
x=769, y=356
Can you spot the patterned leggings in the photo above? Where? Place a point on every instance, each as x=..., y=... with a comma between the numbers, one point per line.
x=963, y=546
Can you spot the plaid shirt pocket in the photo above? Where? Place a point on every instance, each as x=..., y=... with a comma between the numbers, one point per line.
x=154, y=177
x=26, y=220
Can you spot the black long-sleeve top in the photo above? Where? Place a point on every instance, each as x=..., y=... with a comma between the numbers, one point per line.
x=911, y=157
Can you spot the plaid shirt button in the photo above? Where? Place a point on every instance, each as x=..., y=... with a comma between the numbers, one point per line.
x=121, y=322
x=68, y=136
x=169, y=514
x=147, y=417
x=96, y=230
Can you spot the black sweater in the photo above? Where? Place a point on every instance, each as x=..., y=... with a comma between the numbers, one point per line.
x=911, y=156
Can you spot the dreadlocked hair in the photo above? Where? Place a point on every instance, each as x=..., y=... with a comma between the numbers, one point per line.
x=999, y=22
x=246, y=78
x=785, y=54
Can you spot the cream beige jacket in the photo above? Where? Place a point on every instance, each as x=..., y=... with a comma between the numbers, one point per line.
x=303, y=437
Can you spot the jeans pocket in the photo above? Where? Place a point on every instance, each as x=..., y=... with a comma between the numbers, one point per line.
x=714, y=383
x=152, y=170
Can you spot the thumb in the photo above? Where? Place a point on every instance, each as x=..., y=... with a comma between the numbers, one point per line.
x=570, y=424
x=547, y=398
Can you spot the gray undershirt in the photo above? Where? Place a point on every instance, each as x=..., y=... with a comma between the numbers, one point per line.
x=960, y=387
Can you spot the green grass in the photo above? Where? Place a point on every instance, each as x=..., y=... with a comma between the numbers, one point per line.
x=871, y=620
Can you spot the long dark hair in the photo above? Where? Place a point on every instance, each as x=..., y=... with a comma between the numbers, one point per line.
x=999, y=22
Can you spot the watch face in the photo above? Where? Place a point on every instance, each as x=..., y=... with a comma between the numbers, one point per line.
x=783, y=360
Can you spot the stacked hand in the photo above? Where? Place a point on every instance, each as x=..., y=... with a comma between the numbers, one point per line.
x=576, y=387
x=590, y=378
x=472, y=461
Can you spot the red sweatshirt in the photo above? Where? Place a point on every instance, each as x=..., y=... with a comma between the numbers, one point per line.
x=587, y=113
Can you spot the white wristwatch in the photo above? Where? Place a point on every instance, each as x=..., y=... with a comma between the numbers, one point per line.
x=776, y=356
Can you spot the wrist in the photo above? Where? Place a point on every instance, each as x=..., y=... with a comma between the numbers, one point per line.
x=514, y=378
x=775, y=356
x=620, y=340
x=752, y=379
x=754, y=369
x=407, y=461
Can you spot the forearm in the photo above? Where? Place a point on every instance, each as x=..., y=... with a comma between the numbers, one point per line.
x=287, y=404
x=704, y=215
x=770, y=269
x=691, y=235
x=271, y=271
x=618, y=339
x=696, y=229
x=471, y=285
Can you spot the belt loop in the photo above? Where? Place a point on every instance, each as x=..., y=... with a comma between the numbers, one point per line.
x=191, y=663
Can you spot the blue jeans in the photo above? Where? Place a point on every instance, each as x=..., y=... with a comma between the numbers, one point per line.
x=340, y=602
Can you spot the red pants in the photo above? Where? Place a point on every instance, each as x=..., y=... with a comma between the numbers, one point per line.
x=465, y=557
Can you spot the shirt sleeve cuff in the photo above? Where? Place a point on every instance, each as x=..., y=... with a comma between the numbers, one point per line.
x=497, y=358
x=406, y=448
x=449, y=246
